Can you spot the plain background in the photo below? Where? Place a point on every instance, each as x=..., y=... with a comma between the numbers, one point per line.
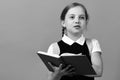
x=27, y=26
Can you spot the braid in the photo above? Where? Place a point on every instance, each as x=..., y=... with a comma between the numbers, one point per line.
x=63, y=29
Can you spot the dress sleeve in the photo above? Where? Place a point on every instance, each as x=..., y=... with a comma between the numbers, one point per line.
x=96, y=46
x=50, y=49
x=53, y=49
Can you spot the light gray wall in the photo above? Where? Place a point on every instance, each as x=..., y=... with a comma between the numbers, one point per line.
x=27, y=26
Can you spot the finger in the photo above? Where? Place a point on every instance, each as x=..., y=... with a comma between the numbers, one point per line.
x=60, y=66
x=51, y=65
x=69, y=73
x=71, y=70
x=67, y=68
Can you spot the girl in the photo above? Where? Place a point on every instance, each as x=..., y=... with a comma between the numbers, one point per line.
x=74, y=20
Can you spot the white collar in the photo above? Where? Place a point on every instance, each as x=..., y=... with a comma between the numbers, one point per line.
x=69, y=41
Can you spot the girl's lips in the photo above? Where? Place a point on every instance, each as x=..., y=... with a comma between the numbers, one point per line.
x=77, y=26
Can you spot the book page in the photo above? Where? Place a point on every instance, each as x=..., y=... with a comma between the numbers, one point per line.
x=47, y=54
x=71, y=54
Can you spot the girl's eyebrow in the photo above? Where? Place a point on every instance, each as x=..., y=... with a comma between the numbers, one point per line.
x=79, y=15
x=71, y=14
x=82, y=15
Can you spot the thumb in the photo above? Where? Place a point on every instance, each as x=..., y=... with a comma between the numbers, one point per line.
x=52, y=66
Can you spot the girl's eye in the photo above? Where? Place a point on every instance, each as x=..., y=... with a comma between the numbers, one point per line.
x=82, y=17
x=71, y=17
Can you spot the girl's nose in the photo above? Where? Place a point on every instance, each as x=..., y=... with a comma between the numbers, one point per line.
x=77, y=21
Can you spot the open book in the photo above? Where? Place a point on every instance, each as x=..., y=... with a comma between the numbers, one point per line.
x=78, y=61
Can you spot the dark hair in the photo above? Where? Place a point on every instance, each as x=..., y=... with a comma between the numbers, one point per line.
x=65, y=10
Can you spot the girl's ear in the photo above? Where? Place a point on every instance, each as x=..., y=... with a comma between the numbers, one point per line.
x=87, y=21
x=63, y=23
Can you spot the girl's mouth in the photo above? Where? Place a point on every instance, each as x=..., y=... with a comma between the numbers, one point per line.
x=77, y=26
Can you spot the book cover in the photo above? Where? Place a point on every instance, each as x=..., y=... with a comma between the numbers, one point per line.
x=78, y=61
x=52, y=58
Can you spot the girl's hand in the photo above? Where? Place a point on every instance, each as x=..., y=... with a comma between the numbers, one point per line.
x=60, y=71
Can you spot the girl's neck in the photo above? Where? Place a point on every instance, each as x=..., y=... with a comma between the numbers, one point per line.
x=74, y=37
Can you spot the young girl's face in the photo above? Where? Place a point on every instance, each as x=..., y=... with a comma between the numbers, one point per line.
x=75, y=20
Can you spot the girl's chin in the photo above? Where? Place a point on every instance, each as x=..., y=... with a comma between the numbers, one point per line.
x=77, y=32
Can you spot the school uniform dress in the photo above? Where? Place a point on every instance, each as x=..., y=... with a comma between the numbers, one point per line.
x=67, y=45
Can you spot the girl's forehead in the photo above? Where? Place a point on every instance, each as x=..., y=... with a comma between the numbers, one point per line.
x=76, y=10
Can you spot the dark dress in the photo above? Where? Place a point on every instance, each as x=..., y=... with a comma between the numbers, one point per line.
x=75, y=48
